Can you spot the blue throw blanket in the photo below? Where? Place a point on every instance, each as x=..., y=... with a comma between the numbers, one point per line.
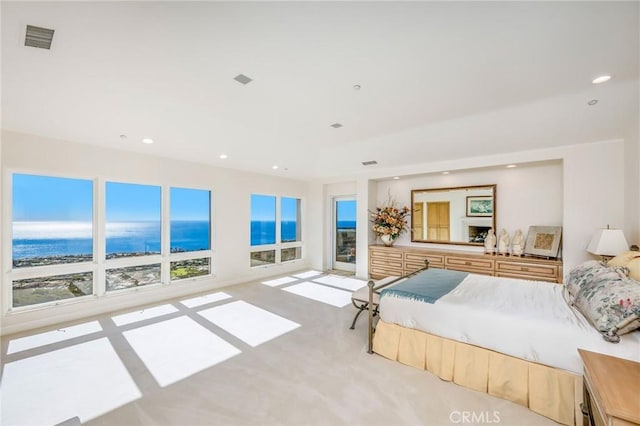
x=427, y=286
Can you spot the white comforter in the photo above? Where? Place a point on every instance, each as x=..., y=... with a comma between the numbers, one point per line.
x=526, y=319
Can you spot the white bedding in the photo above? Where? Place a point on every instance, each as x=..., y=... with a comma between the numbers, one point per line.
x=530, y=320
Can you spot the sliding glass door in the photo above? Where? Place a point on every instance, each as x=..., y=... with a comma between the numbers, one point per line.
x=344, y=234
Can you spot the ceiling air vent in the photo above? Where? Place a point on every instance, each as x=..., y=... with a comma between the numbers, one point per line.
x=38, y=37
x=241, y=78
x=336, y=125
x=369, y=163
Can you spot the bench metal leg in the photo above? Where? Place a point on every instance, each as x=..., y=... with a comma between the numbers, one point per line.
x=360, y=310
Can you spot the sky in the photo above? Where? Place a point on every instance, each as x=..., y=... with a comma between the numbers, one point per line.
x=45, y=198
x=346, y=210
x=263, y=208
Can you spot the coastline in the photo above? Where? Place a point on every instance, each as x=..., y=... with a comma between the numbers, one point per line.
x=65, y=286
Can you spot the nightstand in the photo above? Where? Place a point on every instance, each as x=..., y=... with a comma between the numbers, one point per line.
x=611, y=390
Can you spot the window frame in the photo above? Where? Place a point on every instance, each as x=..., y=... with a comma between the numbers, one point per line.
x=100, y=263
x=278, y=245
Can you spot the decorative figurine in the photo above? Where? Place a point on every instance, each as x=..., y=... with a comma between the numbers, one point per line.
x=503, y=243
x=517, y=244
x=490, y=242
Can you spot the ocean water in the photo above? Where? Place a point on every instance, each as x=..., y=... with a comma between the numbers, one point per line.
x=264, y=232
x=42, y=239
x=346, y=224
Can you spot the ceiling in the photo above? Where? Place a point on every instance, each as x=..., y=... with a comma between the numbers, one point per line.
x=439, y=80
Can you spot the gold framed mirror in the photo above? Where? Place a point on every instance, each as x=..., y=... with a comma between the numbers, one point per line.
x=458, y=215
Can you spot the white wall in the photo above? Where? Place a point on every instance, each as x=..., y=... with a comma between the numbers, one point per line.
x=526, y=195
x=231, y=198
x=631, y=191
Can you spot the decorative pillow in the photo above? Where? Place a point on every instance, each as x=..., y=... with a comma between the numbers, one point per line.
x=611, y=302
x=634, y=268
x=587, y=272
x=623, y=258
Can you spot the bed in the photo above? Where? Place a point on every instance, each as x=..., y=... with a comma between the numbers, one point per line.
x=511, y=338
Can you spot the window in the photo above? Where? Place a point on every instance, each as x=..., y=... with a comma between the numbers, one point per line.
x=132, y=220
x=263, y=220
x=53, y=238
x=190, y=268
x=33, y=291
x=52, y=226
x=289, y=254
x=132, y=276
x=190, y=222
x=264, y=217
x=289, y=219
x=261, y=258
x=52, y=220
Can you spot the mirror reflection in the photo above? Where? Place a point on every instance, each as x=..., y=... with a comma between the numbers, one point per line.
x=461, y=215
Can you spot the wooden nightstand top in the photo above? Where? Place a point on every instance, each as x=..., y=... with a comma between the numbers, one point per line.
x=616, y=382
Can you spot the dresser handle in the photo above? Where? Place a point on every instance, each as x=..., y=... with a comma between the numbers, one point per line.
x=467, y=263
x=525, y=269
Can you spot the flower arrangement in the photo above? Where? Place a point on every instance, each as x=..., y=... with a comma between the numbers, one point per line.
x=390, y=220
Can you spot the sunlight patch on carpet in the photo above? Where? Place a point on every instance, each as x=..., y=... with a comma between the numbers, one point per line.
x=351, y=284
x=144, y=314
x=321, y=293
x=248, y=323
x=279, y=281
x=85, y=380
x=308, y=274
x=178, y=348
x=206, y=299
x=53, y=336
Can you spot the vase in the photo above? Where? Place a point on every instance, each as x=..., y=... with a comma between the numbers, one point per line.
x=387, y=240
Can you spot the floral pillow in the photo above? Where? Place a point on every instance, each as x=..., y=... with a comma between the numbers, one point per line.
x=607, y=297
x=590, y=271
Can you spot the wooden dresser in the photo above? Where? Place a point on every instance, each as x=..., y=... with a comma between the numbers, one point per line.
x=611, y=390
x=399, y=260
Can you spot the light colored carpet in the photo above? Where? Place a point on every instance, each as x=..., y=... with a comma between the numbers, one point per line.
x=316, y=374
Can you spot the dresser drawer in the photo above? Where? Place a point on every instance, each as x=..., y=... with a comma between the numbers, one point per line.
x=528, y=269
x=386, y=253
x=469, y=262
x=435, y=261
x=386, y=262
x=378, y=272
x=411, y=267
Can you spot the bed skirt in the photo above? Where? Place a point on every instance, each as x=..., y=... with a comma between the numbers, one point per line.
x=553, y=393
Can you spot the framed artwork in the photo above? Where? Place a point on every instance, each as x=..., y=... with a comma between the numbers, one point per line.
x=480, y=206
x=543, y=241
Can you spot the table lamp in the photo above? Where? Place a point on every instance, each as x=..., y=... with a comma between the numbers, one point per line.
x=607, y=243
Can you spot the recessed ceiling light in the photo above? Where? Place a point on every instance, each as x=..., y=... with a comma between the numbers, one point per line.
x=592, y=102
x=148, y=141
x=396, y=177
x=445, y=173
x=336, y=125
x=223, y=156
x=243, y=79
x=601, y=79
x=274, y=167
x=511, y=166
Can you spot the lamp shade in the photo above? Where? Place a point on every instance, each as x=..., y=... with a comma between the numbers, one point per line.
x=608, y=242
